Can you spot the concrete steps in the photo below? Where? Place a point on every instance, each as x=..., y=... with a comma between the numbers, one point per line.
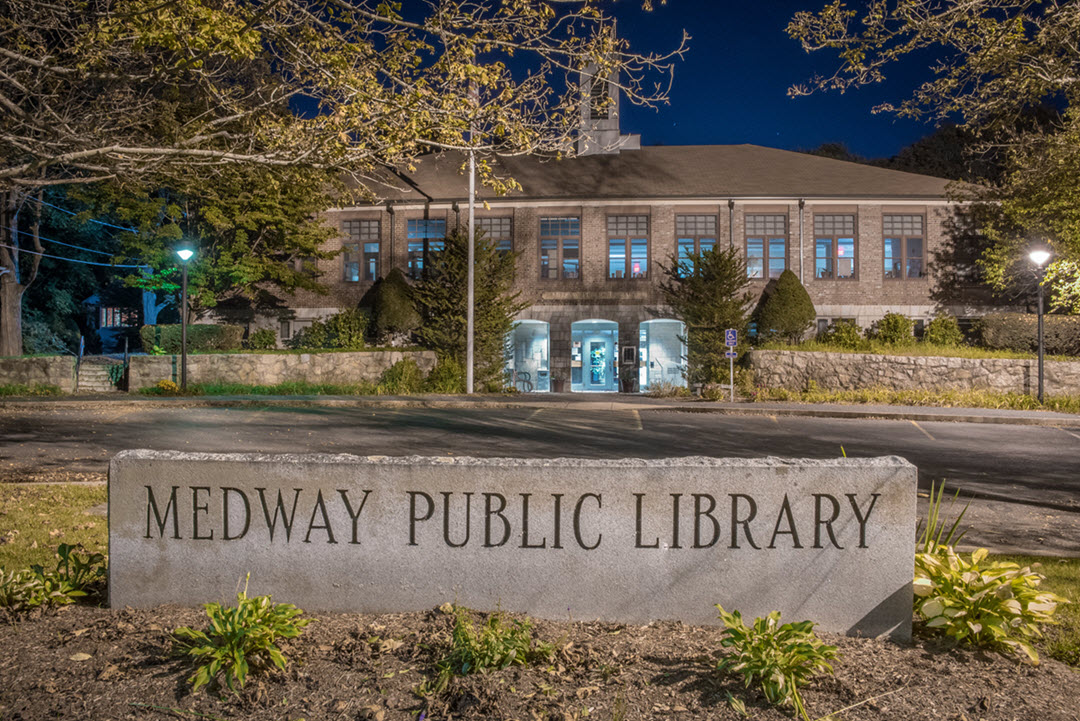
x=94, y=377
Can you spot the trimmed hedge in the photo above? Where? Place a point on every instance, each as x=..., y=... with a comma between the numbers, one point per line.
x=1019, y=332
x=200, y=336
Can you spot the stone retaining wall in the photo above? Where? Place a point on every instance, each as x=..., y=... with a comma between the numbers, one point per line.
x=46, y=370
x=846, y=371
x=272, y=368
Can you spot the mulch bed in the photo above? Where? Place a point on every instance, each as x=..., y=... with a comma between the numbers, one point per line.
x=351, y=666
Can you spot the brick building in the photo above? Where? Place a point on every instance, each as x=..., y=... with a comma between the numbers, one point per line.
x=592, y=231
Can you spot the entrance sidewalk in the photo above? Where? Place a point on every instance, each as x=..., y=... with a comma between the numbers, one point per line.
x=582, y=401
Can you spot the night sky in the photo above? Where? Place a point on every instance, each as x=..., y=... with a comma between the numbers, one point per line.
x=732, y=85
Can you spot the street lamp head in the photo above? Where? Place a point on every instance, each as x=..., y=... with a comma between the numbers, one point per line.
x=1039, y=257
x=185, y=254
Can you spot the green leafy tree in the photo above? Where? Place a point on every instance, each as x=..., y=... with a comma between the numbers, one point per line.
x=999, y=61
x=440, y=297
x=787, y=310
x=254, y=230
x=707, y=291
x=395, y=316
x=171, y=94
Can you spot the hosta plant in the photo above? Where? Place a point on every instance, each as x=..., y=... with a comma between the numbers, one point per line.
x=77, y=574
x=779, y=658
x=240, y=638
x=995, y=605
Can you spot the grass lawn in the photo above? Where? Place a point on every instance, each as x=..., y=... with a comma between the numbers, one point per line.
x=1063, y=578
x=939, y=399
x=34, y=520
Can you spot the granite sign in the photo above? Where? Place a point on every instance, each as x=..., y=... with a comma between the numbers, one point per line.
x=622, y=540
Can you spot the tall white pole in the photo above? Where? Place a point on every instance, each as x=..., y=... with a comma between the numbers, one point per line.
x=470, y=314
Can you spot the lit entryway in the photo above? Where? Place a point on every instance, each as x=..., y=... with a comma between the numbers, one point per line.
x=593, y=364
x=661, y=353
x=527, y=360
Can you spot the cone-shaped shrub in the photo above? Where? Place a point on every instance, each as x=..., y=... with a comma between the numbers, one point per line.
x=788, y=311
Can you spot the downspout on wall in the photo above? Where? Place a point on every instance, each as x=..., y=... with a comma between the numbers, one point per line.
x=802, y=204
x=731, y=222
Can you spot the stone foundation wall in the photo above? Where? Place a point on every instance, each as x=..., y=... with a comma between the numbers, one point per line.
x=271, y=368
x=845, y=371
x=47, y=370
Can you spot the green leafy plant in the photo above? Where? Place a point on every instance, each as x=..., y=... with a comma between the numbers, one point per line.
x=240, y=638
x=931, y=530
x=892, y=329
x=495, y=645
x=262, y=339
x=844, y=334
x=780, y=658
x=402, y=378
x=344, y=330
x=77, y=575
x=995, y=605
x=448, y=376
x=943, y=330
x=116, y=373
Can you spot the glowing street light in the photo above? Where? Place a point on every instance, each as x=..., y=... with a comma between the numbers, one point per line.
x=185, y=254
x=1039, y=258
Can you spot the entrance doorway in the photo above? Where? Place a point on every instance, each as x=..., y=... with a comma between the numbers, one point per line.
x=662, y=354
x=527, y=361
x=593, y=362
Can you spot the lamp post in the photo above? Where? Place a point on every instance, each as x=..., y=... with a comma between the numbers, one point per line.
x=1039, y=258
x=185, y=255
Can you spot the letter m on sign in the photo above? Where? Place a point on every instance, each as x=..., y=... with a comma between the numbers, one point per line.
x=160, y=519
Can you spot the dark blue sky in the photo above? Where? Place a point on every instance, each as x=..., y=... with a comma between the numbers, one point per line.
x=732, y=85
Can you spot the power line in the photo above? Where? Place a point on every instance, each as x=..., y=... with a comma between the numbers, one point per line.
x=70, y=260
x=59, y=242
x=90, y=220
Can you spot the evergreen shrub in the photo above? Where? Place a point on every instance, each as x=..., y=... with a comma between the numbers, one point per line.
x=1019, y=332
x=200, y=336
x=944, y=330
x=787, y=310
x=394, y=313
x=892, y=329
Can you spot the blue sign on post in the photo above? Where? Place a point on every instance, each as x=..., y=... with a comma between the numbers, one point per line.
x=731, y=337
x=731, y=354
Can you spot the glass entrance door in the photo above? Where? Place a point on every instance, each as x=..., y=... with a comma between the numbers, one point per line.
x=592, y=356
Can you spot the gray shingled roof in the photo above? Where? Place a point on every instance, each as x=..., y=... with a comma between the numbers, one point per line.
x=688, y=171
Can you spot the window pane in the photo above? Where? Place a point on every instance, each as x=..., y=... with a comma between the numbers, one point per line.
x=419, y=228
x=777, y=257
x=639, y=257
x=570, y=263
x=685, y=247
x=707, y=244
x=416, y=258
x=371, y=261
x=892, y=257
x=845, y=258
x=549, y=248
x=914, y=258
x=755, y=258
x=616, y=258
x=823, y=258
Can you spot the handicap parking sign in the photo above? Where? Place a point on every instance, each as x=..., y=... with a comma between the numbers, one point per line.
x=731, y=337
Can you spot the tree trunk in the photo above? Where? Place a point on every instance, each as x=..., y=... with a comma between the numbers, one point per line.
x=10, y=316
